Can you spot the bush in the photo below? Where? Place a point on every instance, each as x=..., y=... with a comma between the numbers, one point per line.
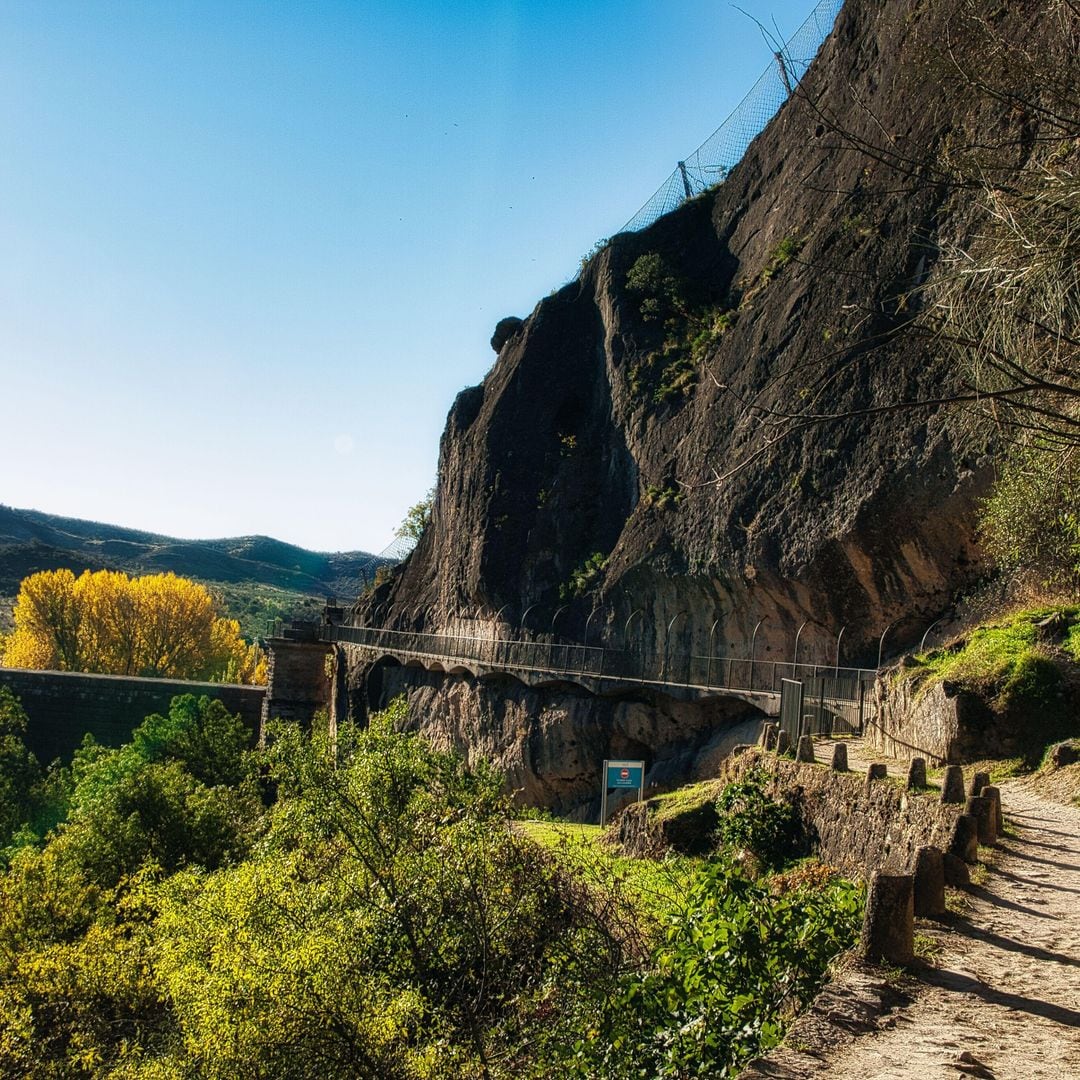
x=734, y=964
x=750, y=820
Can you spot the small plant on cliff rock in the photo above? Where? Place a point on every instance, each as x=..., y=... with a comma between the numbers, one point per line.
x=662, y=497
x=416, y=518
x=691, y=329
x=586, y=577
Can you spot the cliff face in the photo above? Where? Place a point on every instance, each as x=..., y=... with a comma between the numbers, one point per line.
x=602, y=431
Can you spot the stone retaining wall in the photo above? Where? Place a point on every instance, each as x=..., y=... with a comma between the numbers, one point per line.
x=855, y=826
x=63, y=706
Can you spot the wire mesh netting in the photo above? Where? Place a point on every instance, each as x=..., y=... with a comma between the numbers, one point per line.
x=397, y=549
x=710, y=163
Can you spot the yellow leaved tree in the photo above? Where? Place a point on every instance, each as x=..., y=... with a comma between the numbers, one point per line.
x=159, y=625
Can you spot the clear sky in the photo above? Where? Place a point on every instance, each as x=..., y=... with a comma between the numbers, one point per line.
x=249, y=252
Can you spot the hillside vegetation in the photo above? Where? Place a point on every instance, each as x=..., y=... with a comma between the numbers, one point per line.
x=257, y=578
x=182, y=907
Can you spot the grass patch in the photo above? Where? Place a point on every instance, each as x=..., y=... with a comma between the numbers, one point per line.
x=1015, y=666
x=656, y=888
x=928, y=948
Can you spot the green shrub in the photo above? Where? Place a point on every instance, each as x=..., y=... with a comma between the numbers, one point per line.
x=662, y=497
x=586, y=577
x=734, y=964
x=750, y=820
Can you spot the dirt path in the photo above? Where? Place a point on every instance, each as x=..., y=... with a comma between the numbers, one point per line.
x=1004, y=998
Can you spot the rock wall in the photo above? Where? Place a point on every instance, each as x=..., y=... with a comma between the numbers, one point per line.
x=551, y=742
x=936, y=721
x=64, y=706
x=948, y=724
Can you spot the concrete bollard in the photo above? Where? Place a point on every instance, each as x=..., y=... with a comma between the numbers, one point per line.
x=978, y=781
x=839, y=757
x=916, y=774
x=783, y=742
x=952, y=785
x=929, y=882
x=768, y=736
x=805, y=751
x=888, y=931
x=994, y=793
x=964, y=843
x=985, y=814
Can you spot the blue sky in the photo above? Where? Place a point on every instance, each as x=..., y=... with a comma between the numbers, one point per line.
x=251, y=251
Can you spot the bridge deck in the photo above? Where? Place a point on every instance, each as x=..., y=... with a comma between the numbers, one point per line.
x=603, y=670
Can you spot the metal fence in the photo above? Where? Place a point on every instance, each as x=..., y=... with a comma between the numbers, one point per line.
x=560, y=658
x=825, y=705
x=710, y=163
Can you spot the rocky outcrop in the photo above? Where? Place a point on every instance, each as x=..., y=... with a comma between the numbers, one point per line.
x=550, y=742
x=617, y=464
x=950, y=723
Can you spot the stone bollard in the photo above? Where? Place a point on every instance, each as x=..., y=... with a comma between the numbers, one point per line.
x=888, y=931
x=994, y=793
x=916, y=774
x=964, y=843
x=768, y=736
x=952, y=785
x=805, y=751
x=978, y=782
x=839, y=757
x=985, y=814
x=956, y=871
x=930, y=882
x=877, y=771
x=783, y=742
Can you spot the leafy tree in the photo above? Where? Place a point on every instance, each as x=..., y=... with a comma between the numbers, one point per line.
x=392, y=926
x=79, y=991
x=416, y=518
x=156, y=625
x=20, y=773
x=1031, y=520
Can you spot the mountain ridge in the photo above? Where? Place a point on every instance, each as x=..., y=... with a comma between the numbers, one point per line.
x=32, y=540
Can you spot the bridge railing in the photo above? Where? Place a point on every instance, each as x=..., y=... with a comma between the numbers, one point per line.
x=823, y=682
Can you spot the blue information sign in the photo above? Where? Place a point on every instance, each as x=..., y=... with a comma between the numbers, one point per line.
x=625, y=774
x=621, y=776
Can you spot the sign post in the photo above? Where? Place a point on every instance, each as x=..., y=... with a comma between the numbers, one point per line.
x=618, y=776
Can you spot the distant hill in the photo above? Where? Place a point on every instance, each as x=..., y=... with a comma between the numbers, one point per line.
x=257, y=577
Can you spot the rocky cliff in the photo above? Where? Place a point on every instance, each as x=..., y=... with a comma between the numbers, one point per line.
x=631, y=448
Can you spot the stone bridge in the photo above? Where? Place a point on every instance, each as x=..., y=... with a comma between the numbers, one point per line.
x=299, y=683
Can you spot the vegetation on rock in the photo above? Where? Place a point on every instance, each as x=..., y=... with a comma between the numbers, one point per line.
x=1020, y=665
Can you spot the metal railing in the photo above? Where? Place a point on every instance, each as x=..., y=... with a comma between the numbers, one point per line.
x=558, y=658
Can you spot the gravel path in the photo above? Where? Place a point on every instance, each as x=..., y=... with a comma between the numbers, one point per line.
x=1004, y=998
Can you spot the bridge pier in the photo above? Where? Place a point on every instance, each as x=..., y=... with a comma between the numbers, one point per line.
x=301, y=677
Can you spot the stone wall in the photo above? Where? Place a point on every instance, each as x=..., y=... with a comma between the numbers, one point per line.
x=941, y=723
x=301, y=680
x=855, y=826
x=63, y=706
